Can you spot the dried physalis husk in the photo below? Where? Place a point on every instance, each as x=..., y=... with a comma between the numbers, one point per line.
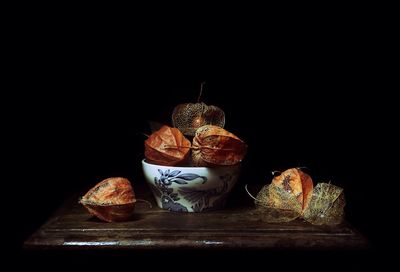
x=167, y=146
x=189, y=117
x=296, y=183
x=291, y=195
x=274, y=204
x=111, y=200
x=326, y=206
x=213, y=145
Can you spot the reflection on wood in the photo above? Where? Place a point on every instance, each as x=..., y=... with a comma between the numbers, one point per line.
x=154, y=228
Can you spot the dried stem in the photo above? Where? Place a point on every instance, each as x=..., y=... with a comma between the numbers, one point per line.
x=245, y=187
x=201, y=91
x=274, y=172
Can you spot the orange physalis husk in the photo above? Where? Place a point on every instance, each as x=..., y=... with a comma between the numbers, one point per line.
x=167, y=146
x=189, y=117
x=111, y=200
x=297, y=183
x=213, y=145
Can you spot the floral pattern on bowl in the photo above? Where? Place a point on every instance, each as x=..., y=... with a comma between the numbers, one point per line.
x=190, y=189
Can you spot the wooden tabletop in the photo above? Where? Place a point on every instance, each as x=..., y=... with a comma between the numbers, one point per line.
x=153, y=228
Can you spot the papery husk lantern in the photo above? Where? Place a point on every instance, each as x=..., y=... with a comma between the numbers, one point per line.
x=111, y=200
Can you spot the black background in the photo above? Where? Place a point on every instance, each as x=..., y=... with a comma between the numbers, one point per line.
x=299, y=95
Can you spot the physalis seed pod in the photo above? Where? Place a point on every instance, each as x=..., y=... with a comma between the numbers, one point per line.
x=189, y=117
x=213, y=145
x=167, y=146
x=111, y=200
x=297, y=183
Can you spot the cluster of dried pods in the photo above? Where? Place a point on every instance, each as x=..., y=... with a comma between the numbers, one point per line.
x=211, y=146
x=292, y=195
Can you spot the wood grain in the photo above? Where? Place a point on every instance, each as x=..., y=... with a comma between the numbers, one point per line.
x=72, y=227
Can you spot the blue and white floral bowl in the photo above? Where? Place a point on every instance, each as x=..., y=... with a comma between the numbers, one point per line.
x=190, y=189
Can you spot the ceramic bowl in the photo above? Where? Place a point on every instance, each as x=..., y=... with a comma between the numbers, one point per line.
x=190, y=189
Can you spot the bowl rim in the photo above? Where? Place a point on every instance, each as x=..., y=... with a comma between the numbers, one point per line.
x=144, y=162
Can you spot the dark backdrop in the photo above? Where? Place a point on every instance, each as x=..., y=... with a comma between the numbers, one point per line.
x=297, y=99
x=91, y=128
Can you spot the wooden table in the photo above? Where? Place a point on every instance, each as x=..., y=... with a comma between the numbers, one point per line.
x=236, y=227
